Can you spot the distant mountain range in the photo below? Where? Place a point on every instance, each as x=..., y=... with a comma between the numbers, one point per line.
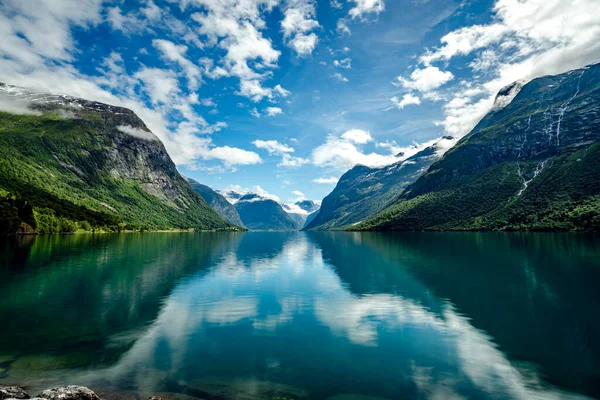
x=261, y=213
x=532, y=163
x=68, y=164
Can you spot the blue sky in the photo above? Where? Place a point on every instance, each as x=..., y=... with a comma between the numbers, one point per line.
x=288, y=95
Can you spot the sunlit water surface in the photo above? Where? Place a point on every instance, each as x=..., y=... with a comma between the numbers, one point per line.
x=303, y=315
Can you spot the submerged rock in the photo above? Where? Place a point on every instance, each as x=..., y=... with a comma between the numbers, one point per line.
x=71, y=392
x=13, y=392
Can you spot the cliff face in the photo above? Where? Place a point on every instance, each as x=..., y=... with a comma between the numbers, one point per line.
x=530, y=164
x=75, y=160
x=218, y=203
x=363, y=191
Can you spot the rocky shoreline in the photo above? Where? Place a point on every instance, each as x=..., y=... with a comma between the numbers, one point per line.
x=71, y=392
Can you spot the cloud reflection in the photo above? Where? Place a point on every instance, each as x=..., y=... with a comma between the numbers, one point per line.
x=294, y=294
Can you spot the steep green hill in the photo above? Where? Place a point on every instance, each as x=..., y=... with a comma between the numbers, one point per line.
x=261, y=214
x=362, y=192
x=218, y=203
x=71, y=164
x=533, y=164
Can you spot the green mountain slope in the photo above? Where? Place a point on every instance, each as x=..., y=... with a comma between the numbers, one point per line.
x=71, y=164
x=261, y=214
x=218, y=203
x=362, y=192
x=533, y=164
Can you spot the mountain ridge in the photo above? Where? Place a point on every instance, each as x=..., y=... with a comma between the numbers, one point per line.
x=530, y=165
x=76, y=165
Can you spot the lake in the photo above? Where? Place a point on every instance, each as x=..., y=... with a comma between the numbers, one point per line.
x=304, y=315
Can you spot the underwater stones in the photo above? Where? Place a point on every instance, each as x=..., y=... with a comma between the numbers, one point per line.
x=71, y=392
x=13, y=392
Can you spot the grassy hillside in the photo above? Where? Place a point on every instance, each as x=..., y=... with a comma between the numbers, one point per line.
x=218, y=203
x=362, y=192
x=533, y=165
x=83, y=173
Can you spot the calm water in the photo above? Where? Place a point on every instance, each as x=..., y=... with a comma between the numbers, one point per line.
x=302, y=315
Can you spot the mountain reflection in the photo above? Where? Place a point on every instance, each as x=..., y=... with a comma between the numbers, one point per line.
x=317, y=315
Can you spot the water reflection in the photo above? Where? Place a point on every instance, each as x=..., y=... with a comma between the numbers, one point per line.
x=310, y=315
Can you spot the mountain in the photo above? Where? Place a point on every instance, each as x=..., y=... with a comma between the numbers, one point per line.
x=69, y=164
x=310, y=218
x=260, y=213
x=231, y=196
x=300, y=210
x=531, y=164
x=362, y=191
x=218, y=203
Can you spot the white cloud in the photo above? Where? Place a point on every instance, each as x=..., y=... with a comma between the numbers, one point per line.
x=363, y=7
x=136, y=132
x=289, y=161
x=160, y=85
x=236, y=27
x=304, y=44
x=273, y=146
x=427, y=79
x=357, y=136
x=281, y=91
x=342, y=154
x=299, y=196
x=526, y=39
x=339, y=77
x=176, y=53
x=273, y=111
x=346, y=63
x=407, y=99
x=234, y=156
x=299, y=20
x=263, y=193
x=326, y=181
x=342, y=27
x=254, y=112
x=254, y=90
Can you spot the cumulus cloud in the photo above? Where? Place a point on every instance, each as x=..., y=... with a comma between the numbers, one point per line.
x=406, y=100
x=357, y=136
x=365, y=7
x=289, y=161
x=234, y=156
x=342, y=27
x=524, y=40
x=273, y=111
x=299, y=20
x=236, y=28
x=346, y=63
x=345, y=151
x=341, y=154
x=326, y=180
x=426, y=79
x=339, y=77
x=273, y=146
x=176, y=54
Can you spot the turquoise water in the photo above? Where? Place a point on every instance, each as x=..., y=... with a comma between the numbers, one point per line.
x=304, y=315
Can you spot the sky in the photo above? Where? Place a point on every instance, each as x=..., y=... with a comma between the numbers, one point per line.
x=281, y=97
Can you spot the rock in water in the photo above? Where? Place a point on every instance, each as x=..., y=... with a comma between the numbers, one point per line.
x=71, y=392
x=13, y=392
